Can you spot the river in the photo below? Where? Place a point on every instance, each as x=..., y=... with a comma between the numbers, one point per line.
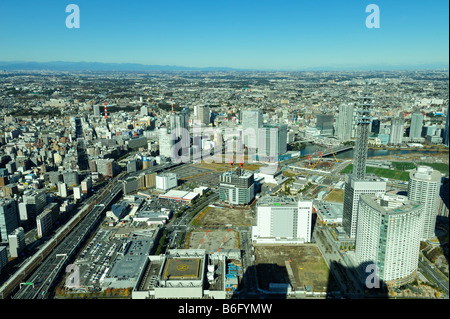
x=311, y=148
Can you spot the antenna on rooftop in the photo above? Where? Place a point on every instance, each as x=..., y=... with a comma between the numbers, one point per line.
x=106, y=111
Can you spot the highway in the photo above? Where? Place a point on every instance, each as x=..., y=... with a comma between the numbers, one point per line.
x=428, y=268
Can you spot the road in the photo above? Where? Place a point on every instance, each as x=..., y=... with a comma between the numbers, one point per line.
x=48, y=271
x=429, y=269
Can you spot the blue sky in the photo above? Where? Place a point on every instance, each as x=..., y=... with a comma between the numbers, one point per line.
x=282, y=34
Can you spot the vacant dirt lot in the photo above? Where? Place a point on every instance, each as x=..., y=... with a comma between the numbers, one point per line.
x=217, y=216
x=305, y=262
x=212, y=240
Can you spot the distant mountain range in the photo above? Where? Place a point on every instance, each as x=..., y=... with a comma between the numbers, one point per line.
x=98, y=66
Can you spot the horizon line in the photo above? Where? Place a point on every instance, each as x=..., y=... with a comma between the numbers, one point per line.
x=365, y=67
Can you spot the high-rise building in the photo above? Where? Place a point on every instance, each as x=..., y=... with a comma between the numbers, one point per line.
x=106, y=167
x=272, y=142
x=237, y=187
x=9, y=217
x=36, y=200
x=389, y=228
x=345, y=122
x=166, y=143
x=252, y=120
x=203, y=114
x=397, y=128
x=325, y=124
x=282, y=220
x=423, y=187
x=16, y=242
x=179, y=126
x=82, y=157
x=354, y=188
x=144, y=111
x=415, y=131
x=96, y=108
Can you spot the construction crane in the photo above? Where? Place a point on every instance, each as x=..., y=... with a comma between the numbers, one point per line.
x=320, y=157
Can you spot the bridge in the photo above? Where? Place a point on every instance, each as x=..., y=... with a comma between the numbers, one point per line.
x=337, y=150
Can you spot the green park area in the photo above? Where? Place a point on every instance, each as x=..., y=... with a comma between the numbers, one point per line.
x=400, y=171
x=381, y=172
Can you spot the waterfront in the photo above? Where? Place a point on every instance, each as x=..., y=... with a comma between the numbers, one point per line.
x=311, y=148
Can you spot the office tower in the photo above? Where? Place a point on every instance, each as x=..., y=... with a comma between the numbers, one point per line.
x=9, y=217
x=423, y=187
x=37, y=199
x=237, y=187
x=354, y=188
x=203, y=114
x=82, y=157
x=360, y=150
x=252, y=120
x=324, y=123
x=272, y=142
x=389, y=228
x=282, y=220
x=62, y=189
x=415, y=131
x=397, y=126
x=375, y=126
x=76, y=122
x=16, y=242
x=166, y=143
x=345, y=122
x=179, y=125
x=144, y=110
x=96, y=110
x=106, y=167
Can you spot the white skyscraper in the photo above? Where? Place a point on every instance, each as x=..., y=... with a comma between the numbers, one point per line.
x=397, y=126
x=251, y=121
x=165, y=143
x=272, y=141
x=16, y=242
x=354, y=188
x=423, y=187
x=282, y=220
x=389, y=228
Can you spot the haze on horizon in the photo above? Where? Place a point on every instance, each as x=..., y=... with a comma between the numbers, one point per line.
x=264, y=35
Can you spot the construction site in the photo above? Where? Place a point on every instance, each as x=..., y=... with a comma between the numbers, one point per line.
x=302, y=266
x=215, y=216
x=212, y=240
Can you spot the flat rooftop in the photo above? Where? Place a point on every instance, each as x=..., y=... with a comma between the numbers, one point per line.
x=182, y=268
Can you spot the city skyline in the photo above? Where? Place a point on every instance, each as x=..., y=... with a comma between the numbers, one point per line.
x=258, y=36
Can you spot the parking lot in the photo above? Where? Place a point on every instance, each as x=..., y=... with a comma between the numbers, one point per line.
x=97, y=258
